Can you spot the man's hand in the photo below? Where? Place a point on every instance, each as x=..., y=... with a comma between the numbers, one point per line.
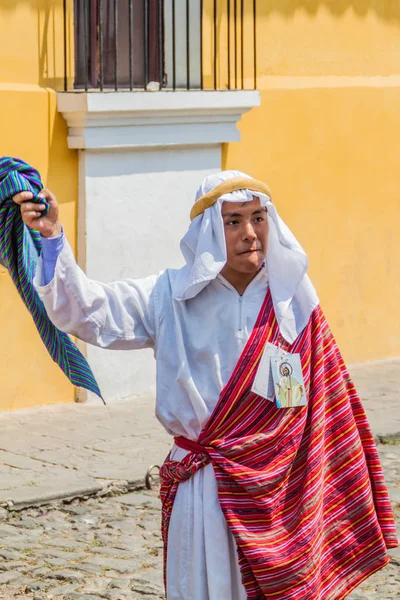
x=48, y=226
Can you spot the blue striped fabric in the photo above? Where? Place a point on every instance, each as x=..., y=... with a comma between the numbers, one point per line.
x=19, y=250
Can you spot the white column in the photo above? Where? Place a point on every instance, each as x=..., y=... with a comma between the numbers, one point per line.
x=141, y=158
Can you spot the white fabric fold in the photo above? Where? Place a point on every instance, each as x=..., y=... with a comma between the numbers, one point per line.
x=204, y=251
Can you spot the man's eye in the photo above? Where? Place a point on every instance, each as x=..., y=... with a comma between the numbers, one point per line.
x=231, y=222
x=260, y=219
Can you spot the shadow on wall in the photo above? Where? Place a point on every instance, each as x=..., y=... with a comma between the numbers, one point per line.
x=50, y=36
x=386, y=10
x=51, y=39
x=51, y=33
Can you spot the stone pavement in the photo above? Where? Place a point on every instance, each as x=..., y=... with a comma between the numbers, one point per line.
x=58, y=544
x=378, y=385
x=102, y=548
x=109, y=548
x=76, y=450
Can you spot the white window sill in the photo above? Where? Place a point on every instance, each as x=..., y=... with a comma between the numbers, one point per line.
x=100, y=120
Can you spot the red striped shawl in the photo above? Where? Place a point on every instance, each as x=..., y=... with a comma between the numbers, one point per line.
x=302, y=489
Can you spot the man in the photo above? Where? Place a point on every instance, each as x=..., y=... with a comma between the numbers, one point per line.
x=258, y=501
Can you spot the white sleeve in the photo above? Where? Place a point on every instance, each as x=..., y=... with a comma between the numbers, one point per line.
x=119, y=315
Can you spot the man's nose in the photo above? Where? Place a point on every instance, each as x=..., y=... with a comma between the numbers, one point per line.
x=248, y=232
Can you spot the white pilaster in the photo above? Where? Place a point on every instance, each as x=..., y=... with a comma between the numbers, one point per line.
x=142, y=156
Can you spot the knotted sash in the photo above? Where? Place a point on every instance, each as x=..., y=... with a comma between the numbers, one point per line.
x=302, y=489
x=19, y=250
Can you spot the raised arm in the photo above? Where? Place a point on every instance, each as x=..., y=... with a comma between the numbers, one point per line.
x=120, y=315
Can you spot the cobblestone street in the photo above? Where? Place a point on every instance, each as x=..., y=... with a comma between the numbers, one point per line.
x=111, y=548
x=99, y=548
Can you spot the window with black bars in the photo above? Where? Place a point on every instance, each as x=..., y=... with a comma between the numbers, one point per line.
x=163, y=44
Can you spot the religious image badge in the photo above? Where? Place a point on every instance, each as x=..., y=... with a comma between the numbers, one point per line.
x=288, y=381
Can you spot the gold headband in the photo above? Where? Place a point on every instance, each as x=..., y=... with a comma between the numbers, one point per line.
x=230, y=185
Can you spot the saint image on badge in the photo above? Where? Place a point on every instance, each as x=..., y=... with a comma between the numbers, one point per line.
x=289, y=384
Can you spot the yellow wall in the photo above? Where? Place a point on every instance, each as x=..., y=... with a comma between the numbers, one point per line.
x=31, y=60
x=326, y=139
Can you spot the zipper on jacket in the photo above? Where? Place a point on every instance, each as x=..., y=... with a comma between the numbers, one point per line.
x=240, y=314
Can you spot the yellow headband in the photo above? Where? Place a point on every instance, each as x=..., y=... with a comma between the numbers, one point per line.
x=230, y=185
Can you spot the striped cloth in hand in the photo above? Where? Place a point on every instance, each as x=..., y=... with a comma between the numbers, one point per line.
x=19, y=250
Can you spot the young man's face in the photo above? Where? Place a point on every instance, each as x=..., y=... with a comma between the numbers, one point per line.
x=246, y=235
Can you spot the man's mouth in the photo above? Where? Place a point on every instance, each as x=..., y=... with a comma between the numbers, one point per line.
x=251, y=251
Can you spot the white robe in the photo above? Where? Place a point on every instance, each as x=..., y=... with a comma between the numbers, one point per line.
x=197, y=344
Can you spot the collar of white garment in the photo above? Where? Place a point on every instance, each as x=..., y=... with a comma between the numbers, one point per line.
x=204, y=249
x=260, y=280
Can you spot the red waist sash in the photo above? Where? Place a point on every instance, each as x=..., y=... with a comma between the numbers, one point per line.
x=302, y=489
x=190, y=445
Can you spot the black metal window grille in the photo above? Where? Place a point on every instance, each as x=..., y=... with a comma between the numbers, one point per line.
x=163, y=44
x=118, y=43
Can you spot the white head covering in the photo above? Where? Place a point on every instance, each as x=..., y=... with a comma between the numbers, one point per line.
x=204, y=250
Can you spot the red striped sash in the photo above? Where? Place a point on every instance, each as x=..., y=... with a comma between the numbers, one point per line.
x=302, y=489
